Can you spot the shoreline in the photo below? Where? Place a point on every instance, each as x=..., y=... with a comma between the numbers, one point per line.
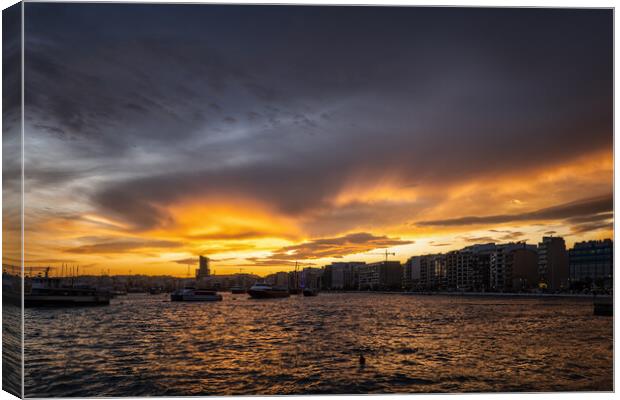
x=485, y=294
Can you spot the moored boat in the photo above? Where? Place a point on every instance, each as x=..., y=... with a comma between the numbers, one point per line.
x=51, y=293
x=266, y=291
x=193, y=294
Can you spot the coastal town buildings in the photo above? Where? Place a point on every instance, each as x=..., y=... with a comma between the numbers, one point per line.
x=489, y=267
x=341, y=275
x=591, y=263
x=513, y=266
x=553, y=263
x=383, y=275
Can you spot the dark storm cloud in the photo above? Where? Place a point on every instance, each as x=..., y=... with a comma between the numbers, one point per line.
x=584, y=208
x=138, y=202
x=285, y=104
x=236, y=234
x=336, y=247
x=11, y=68
x=478, y=239
x=593, y=218
x=592, y=226
x=122, y=246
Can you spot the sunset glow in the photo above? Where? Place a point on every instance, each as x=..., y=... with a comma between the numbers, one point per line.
x=201, y=149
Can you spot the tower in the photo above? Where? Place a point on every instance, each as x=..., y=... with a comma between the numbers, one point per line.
x=203, y=268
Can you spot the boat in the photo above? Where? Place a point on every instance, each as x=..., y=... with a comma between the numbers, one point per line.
x=193, y=294
x=237, y=290
x=310, y=292
x=266, y=291
x=45, y=291
x=295, y=289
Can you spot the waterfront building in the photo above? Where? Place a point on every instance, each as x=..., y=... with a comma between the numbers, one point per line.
x=467, y=269
x=311, y=277
x=553, y=263
x=341, y=275
x=383, y=275
x=279, y=279
x=513, y=267
x=411, y=273
x=203, y=270
x=523, y=264
x=433, y=274
x=591, y=264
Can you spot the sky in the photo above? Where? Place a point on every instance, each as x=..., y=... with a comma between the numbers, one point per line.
x=261, y=136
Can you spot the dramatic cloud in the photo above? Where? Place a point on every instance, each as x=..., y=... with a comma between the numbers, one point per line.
x=336, y=247
x=122, y=246
x=341, y=120
x=584, y=208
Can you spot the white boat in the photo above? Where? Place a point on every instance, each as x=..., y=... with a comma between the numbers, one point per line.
x=193, y=294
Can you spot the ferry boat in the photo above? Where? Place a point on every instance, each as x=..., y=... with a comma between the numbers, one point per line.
x=193, y=294
x=45, y=291
x=266, y=291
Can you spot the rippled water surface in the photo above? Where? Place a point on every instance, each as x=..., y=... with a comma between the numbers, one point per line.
x=145, y=345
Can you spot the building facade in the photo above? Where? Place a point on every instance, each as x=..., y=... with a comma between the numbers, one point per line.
x=513, y=267
x=591, y=264
x=411, y=273
x=383, y=275
x=203, y=270
x=553, y=263
x=341, y=276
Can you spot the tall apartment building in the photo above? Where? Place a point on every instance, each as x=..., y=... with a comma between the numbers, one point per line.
x=311, y=277
x=462, y=270
x=411, y=273
x=513, y=266
x=523, y=263
x=591, y=263
x=553, y=263
x=433, y=272
x=384, y=275
x=341, y=275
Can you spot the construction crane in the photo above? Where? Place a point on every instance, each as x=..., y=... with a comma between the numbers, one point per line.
x=386, y=254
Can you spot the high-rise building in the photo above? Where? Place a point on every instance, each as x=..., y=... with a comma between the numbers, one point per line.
x=513, y=267
x=203, y=270
x=591, y=263
x=411, y=273
x=553, y=263
x=433, y=273
x=311, y=277
x=524, y=265
x=383, y=275
x=341, y=275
